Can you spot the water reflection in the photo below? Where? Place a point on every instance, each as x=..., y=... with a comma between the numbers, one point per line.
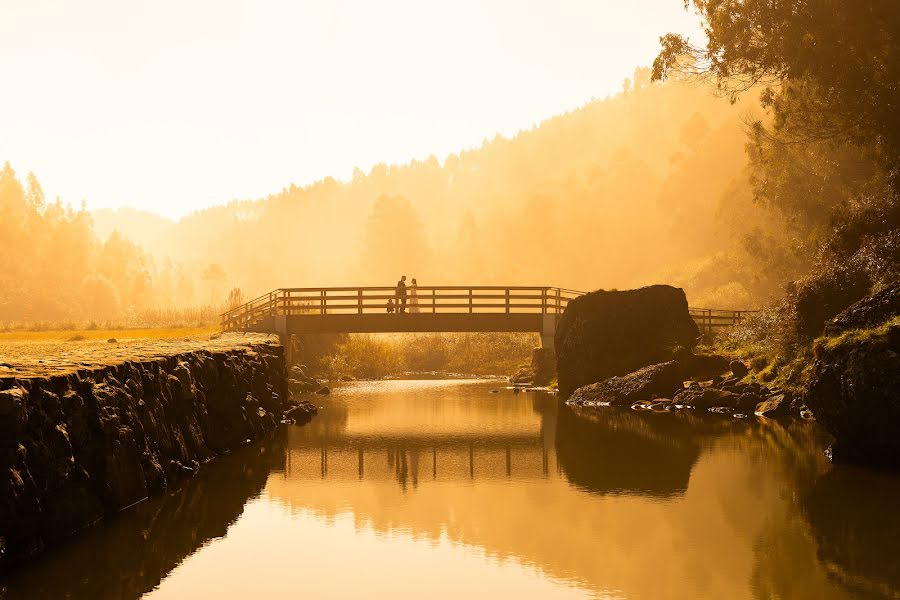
x=853, y=515
x=465, y=488
x=130, y=555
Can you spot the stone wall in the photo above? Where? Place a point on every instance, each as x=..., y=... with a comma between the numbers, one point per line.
x=77, y=447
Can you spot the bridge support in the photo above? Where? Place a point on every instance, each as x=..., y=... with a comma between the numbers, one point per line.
x=548, y=331
x=286, y=339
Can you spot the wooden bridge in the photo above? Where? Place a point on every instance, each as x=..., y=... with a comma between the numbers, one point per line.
x=537, y=309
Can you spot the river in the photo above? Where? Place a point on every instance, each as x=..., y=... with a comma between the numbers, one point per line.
x=465, y=489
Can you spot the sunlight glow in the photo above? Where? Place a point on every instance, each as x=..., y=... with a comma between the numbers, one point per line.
x=173, y=106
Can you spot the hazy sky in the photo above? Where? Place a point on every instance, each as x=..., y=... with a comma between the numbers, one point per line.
x=173, y=105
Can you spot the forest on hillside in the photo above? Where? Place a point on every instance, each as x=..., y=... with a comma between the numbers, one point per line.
x=651, y=184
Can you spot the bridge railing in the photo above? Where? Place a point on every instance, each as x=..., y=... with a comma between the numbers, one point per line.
x=427, y=300
x=434, y=300
x=710, y=320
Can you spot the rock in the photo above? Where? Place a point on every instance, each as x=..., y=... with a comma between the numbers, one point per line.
x=302, y=413
x=655, y=381
x=869, y=312
x=747, y=402
x=775, y=406
x=523, y=376
x=543, y=366
x=822, y=298
x=112, y=341
x=604, y=334
x=348, y=378
x=706, y=366
x=704, y=398
x=853, y=392
x=324, y=391
x=738, y=369
x=12, y=415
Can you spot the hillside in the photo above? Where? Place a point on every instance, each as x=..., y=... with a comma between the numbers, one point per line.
x=620, y=192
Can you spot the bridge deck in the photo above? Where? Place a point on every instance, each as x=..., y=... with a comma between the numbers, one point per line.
x=289, y=311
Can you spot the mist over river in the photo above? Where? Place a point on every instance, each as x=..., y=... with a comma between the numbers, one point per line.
x=465, y=489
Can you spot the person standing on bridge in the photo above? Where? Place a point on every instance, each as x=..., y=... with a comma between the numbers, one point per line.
x=401, y=295
x=413, y=296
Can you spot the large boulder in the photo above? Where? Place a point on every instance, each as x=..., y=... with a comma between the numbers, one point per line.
x=604, y=334
x=854, y=393
x=656, y=381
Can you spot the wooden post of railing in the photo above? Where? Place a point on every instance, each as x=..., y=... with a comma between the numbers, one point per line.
x=359, y=301
x=558, y=301
x=433, y=300
x=470, y=300
x=544, y=301
x=322, y=301
x=507, y=300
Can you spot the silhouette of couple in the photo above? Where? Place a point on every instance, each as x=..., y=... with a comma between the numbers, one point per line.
x=402, y=293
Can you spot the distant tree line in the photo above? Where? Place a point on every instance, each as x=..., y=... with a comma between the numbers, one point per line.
x=53, y=266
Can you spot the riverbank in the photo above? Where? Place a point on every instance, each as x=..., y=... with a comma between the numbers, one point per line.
x=95, y=427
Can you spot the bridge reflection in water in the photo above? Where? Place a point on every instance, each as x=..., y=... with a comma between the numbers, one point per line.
x=381, y=447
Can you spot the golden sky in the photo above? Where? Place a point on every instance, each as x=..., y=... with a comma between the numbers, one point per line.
x=174, y=105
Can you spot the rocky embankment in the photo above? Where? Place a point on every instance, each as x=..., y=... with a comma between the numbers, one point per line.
x=854, y=389
x=81, y=445
x=662, y=387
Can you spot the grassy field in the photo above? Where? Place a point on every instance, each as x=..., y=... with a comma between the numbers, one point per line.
x=81, y=335
x=40, y=353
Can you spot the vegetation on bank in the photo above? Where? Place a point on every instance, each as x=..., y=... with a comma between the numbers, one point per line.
x=824, y=159
x=375, y=356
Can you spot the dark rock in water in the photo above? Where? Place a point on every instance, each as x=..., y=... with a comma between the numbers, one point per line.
x=112, y=341
x=302, y=413
x=854, y=393
x=604, y=334
x=868, y=312
x=704, y=398
x=747, y=402
x=738, y=369
x=523, y=376
x=706, y=366
x=348, y=378
x=651, y=382
x=543, y=365
x=324, y=391
x=778, y=405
